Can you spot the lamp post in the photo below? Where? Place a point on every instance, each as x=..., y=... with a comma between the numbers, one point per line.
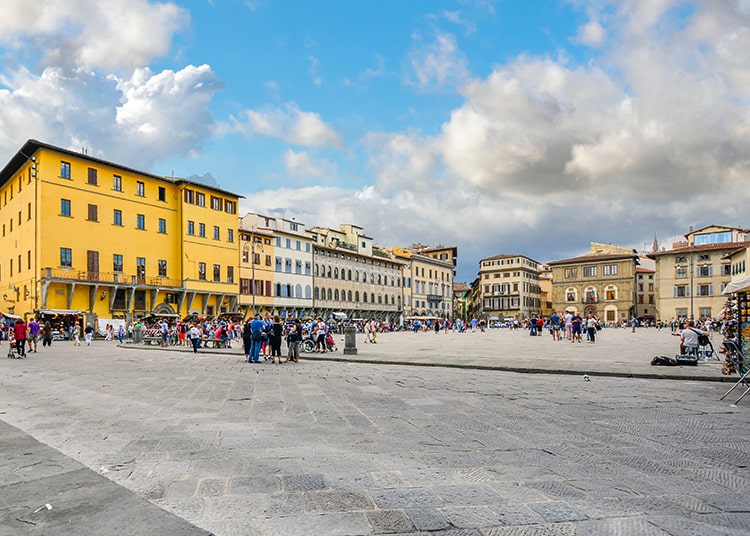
x=692, y=290
x=251, y=248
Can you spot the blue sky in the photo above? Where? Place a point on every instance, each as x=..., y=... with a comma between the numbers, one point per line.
x=499, y=126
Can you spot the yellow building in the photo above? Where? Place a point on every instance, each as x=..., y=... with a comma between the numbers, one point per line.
x=602, y=283
x=509, y=287
x=84, y=236
x=428, y=281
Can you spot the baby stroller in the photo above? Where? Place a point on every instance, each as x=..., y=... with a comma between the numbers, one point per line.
x=330, y=343
x=13, y=352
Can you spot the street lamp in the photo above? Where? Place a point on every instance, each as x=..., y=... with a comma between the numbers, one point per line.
x=251, y=248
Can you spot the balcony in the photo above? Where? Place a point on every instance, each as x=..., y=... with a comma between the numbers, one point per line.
x=590, y=299
x=107, y=278
x=434, y=298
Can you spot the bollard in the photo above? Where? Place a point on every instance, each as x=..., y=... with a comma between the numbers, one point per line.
x=350, y=340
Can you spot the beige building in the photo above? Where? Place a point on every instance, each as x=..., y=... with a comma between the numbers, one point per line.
x=509, y=287
x=645, y=292
x=354, y=277
x=602, y=282
x=428, y=281
x=691, y=276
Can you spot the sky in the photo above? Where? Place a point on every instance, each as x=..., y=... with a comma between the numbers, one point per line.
x=498, y=126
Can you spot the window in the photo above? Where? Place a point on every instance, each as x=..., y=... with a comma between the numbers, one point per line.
x=191, y=228
x=570, y=295
x=140, y=189
x=681, y=272
x=589, y=271
x=681, y=291
x=162, y=193
x=117, y=263
x=288, y=266
x=705, y=271
x=298, y=267
x=278, y=264
x=230, y=235
x=140, y=222
x=216, y=203
x=202, y=271
x=217, y=272
x=230, y=274
x=66, y=258
x=202, y=230
x=610, y=269
x=705, y=290
x=117, y=183
x=162, y=225
x=162, y=268
x=65, y=207
x=200, y=199
x=229, y=207
x=93, y=213
x=93, y=177
x=571, y=273
x=217, y=233
x=28, y=259
x=140, y=269
x=189, y=196
x=65, y=170
x=117, y=217
x=705, y=312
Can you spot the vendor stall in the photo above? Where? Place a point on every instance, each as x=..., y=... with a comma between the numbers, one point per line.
x=736, y=315
x=61, y=320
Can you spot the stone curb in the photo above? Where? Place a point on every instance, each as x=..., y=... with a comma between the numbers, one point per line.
x=656, y=375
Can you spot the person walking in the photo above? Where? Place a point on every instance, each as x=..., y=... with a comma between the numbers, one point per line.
x=47, y=334
x=591, y=324
x=19, y=333
x=32, y=334
x=89, y=331
x=76, y=334
x=257, y=335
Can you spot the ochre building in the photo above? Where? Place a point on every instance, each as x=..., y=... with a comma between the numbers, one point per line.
x=84, y=236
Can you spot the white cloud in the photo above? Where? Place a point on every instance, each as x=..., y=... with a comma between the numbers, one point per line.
x=109, y=36
x=291, y=125
x=301, y=164
x=439, y=64
x=314, y=71
x=592, y=33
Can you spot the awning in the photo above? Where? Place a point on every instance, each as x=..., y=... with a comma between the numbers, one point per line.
x=339, y=316
x=12, y=317
x=60, y=312
x=737, y=286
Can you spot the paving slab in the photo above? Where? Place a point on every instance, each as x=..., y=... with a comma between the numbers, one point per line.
x=371, y=446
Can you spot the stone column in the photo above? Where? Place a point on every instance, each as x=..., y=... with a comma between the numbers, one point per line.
x=350, y=340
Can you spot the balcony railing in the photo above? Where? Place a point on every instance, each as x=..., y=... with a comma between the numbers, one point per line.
x=591, y=299
x=434, y=297
x=108, y=278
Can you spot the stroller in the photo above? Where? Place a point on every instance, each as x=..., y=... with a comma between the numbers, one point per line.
x=330, y=343
x=13, y=351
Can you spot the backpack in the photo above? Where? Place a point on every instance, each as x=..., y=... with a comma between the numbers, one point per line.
x=664, y=361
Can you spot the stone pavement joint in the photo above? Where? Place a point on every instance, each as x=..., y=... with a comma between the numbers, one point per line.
x=350, y=448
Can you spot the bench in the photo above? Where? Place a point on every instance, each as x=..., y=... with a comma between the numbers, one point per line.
x=151, y=340
x=214, y=342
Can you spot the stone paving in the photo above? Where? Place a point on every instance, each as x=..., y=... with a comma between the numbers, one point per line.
x=350, y=448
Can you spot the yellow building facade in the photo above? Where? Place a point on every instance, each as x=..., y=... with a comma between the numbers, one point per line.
x=84, y=236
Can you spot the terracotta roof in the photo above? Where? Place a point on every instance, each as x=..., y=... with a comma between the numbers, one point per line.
x=642, y=270
x=703, y=247
x=32, y=146
x=595, y=258
x=508, y=256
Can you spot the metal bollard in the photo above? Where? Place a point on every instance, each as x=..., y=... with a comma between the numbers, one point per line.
x=350, y=340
